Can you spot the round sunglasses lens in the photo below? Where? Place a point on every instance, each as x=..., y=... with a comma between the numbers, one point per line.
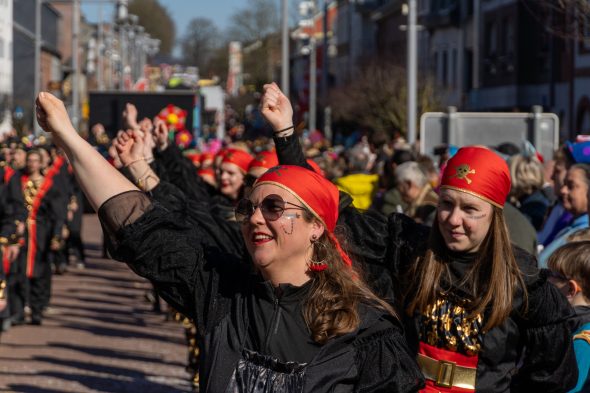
x=272, y=207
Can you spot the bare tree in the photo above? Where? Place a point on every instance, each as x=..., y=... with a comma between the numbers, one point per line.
x=562, y=18
x=255, y=21
x=377, y=98
x=157, y=22
x=200, y=42
x=256, y=27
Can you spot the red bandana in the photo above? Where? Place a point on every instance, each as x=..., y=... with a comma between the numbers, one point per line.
x=264, y=159
x=314, y=165
x=237, y=157
x=315, y=192
x=480, y=172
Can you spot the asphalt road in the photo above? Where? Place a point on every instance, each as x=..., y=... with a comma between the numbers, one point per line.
x=99, y=335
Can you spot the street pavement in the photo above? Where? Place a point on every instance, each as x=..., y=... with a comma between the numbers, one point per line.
x=99, y=335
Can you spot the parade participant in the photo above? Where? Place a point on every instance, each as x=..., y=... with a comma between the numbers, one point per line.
x=574, y=196
x=42, y=207
x=570, y=272
x=296, y=318
x=474, y=301
x=366, y=240
x=260, y=164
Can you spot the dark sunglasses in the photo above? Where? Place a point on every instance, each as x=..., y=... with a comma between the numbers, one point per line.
x=272, y=208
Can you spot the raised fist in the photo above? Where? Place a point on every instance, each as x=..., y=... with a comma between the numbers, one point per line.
x=52, y=115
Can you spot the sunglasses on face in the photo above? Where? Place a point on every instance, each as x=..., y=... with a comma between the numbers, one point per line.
x=272, y=208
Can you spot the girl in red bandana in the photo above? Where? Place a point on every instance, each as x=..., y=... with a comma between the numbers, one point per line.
x=484, y=317
x=293, y=317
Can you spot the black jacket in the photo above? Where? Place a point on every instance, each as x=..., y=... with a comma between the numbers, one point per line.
x=247, y=329
x=531, y=352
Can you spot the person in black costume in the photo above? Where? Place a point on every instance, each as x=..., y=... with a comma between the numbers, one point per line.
x=296, y=319
x=41, y=205
x=515, y=339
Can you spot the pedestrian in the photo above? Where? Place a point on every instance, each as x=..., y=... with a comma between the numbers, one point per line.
x=296, y=317
x=570, y=272
x=574, y=195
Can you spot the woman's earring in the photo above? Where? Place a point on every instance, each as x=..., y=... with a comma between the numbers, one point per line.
x=320, y=251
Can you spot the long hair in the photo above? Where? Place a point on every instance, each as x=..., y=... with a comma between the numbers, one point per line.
x=493, y=279
x=331, y=308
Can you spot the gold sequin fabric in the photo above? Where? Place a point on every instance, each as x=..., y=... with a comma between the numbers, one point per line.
x=446, y=324
x=30, y=192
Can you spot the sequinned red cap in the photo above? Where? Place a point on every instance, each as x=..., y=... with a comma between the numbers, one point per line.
x=264, y=159
x=319, y=195
x=206, y=172
x=237, y=157
x=480, y=172
x=207, y=157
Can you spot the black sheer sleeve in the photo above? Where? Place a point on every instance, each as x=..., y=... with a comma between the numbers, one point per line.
x=289, y=151
x=183, y=174
x=164, y=248
x=549, y=363
x=216, y=230
x=384, y=363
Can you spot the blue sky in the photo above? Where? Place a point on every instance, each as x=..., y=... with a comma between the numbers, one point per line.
x=182, y=11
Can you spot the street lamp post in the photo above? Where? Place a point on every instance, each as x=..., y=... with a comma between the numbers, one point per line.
x=313, y=91
x=285, y=48
x=75, y=65
x=412, y=72
x=37, y=76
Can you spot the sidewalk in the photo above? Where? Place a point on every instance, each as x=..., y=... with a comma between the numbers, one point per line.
x=99, y=336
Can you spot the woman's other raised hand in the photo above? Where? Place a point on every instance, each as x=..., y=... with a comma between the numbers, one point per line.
x=52, y=115
x=276, y=107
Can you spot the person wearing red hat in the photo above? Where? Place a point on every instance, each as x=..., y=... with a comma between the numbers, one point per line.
x=261, y=163
x=233, y=168
x=474, y=300
x=295, y=316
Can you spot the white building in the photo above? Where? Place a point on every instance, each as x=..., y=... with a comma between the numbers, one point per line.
x=5, y=64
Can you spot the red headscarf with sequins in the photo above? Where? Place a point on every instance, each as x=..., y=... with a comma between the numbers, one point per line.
x=237, y=157
x=315, y=192
x=480, y=172
x=264, y=159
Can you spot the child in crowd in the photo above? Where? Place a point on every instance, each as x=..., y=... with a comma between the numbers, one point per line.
x=570, y=268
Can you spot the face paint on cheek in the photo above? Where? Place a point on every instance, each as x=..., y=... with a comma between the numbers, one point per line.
x=477, y=217
x=284, y=226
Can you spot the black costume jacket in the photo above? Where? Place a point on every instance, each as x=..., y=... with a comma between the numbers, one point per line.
x=43, y=210
x=253, y=337
x=531, y=352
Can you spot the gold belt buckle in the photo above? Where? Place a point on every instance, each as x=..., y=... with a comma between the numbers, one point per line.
x=445, y=375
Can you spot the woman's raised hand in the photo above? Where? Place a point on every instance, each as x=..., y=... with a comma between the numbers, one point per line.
x=130, y=116
x=52, y=115
x=276, y=107
x=130, y=146
x=160, y=134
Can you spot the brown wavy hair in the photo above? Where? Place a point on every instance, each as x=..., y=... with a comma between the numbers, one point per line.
x=331, y=308
x=493, y=279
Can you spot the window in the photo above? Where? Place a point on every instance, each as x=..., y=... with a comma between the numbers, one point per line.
x=445, y=69
x=491, y=39
x=435, y=66
x=454, y=70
